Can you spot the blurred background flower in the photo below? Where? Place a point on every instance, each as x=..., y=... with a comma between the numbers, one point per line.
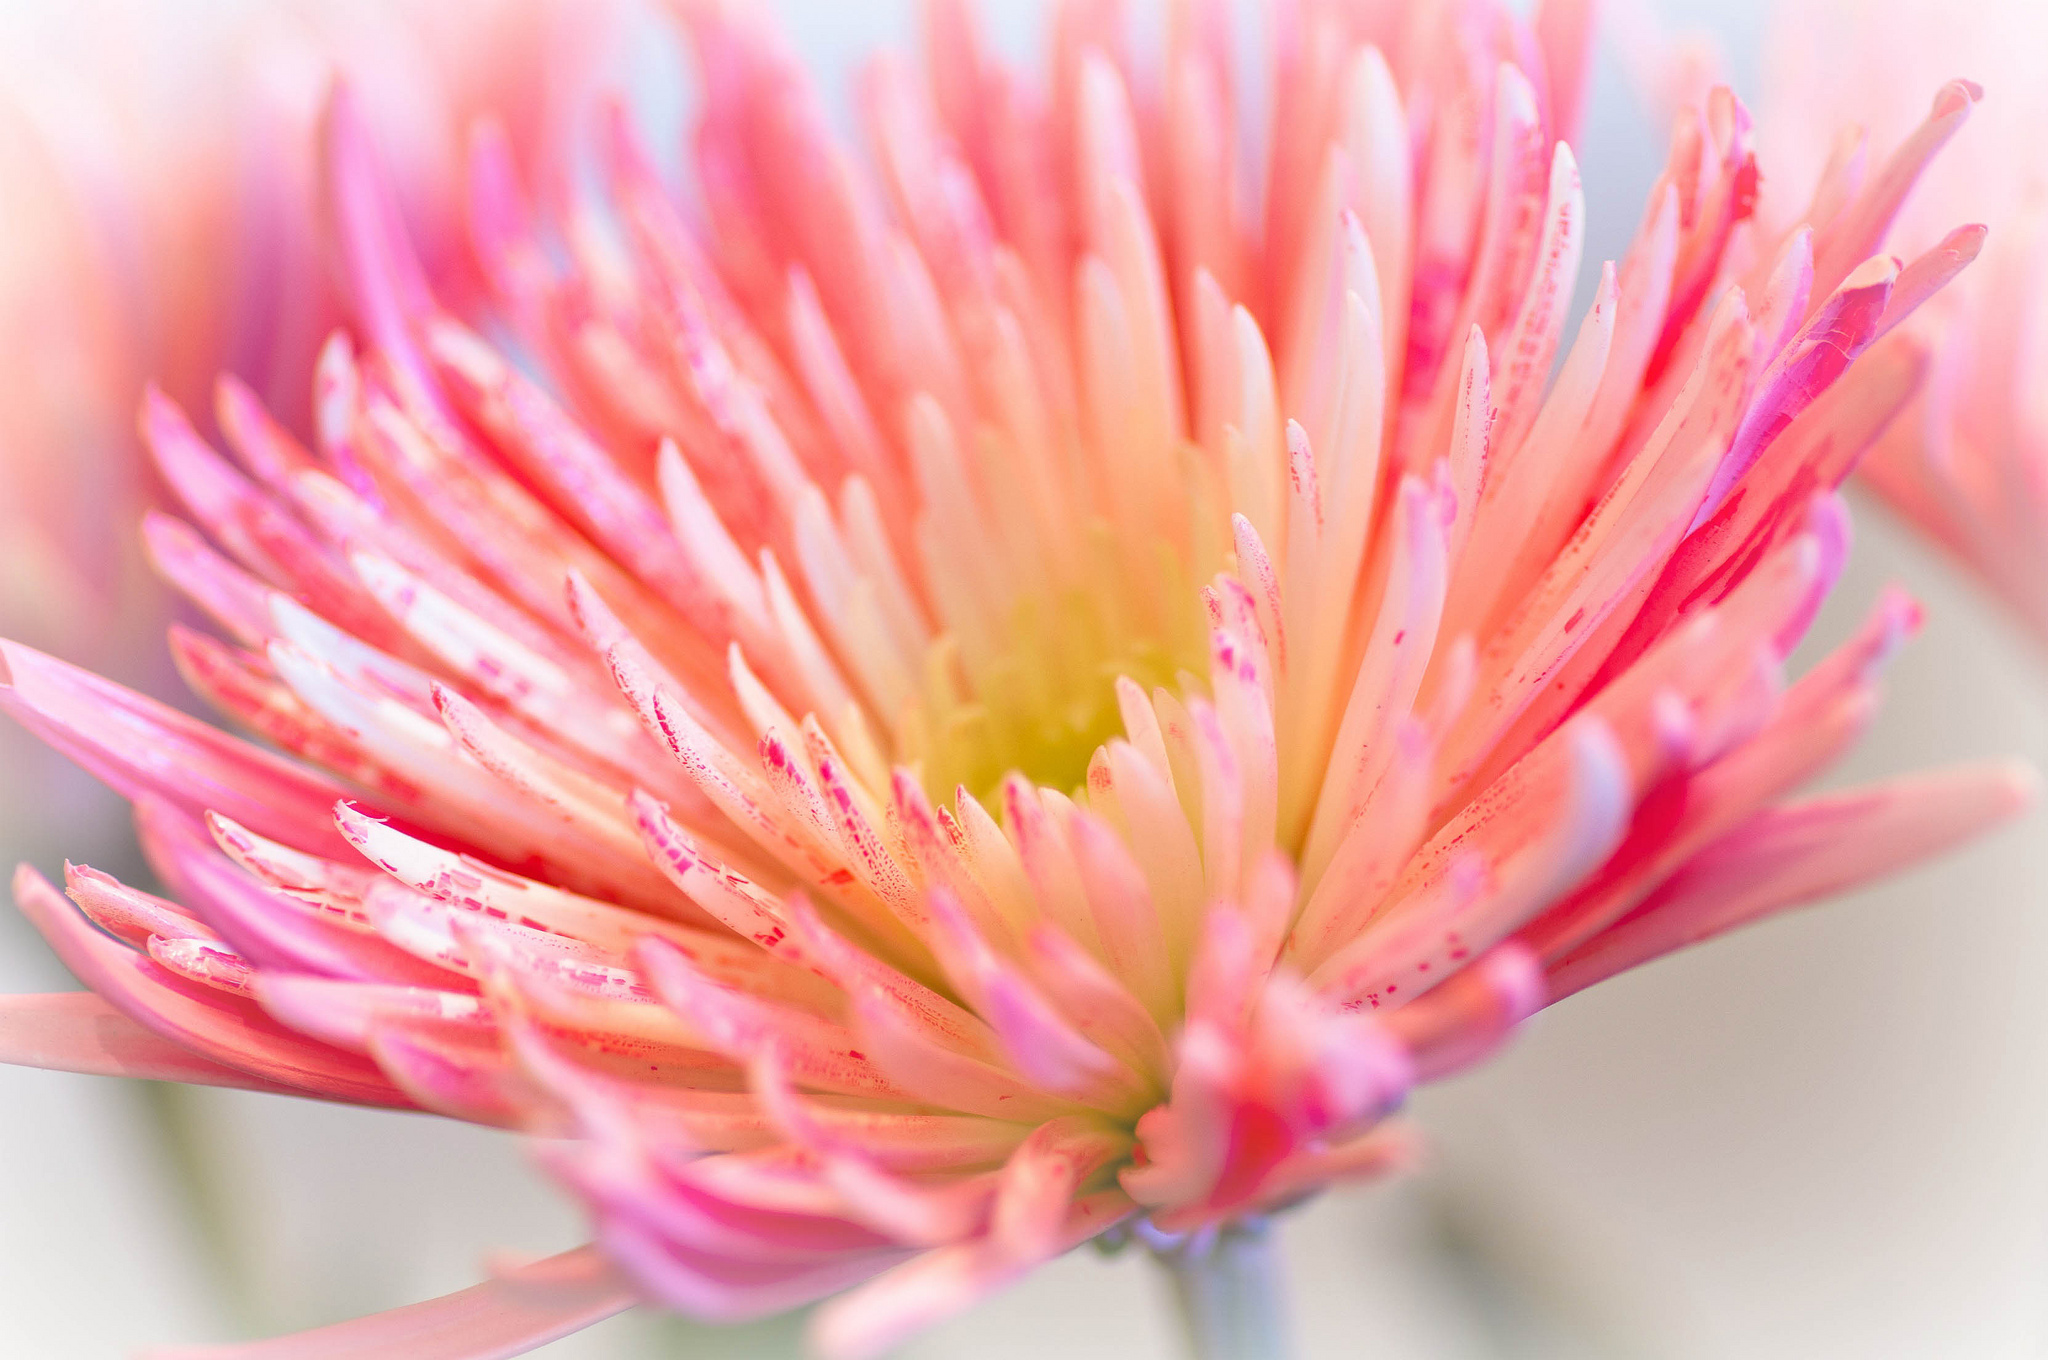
x=1969, y=463
x=1824, y=1138
x=157, y=164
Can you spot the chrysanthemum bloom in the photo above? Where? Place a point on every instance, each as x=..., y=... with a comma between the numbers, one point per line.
x=1019, y=692
x=1967, y=462
x=163, y=221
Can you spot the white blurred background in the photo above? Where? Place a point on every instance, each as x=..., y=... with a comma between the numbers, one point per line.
x=1824, y=1137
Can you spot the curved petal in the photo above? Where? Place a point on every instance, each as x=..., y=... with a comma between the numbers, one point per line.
x=79, y=1032
x=495, y=1320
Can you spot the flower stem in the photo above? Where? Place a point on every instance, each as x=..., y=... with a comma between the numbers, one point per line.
x=1232, y=1298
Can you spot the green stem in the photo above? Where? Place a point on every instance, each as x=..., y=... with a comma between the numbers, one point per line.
x=1233, y=1299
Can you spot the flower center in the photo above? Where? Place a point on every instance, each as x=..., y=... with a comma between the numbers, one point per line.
x=1035, y=692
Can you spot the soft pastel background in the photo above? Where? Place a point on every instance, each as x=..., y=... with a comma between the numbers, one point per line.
x=1827, y=1136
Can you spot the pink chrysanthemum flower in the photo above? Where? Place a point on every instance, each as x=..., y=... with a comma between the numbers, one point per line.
x=1013, y=692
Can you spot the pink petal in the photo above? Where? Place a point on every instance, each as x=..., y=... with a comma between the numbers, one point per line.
x=139, y=747
x=1797, y=853
x=503, y=1317
x=79, y=1032
x=939, y=1284
x=225, y=1029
